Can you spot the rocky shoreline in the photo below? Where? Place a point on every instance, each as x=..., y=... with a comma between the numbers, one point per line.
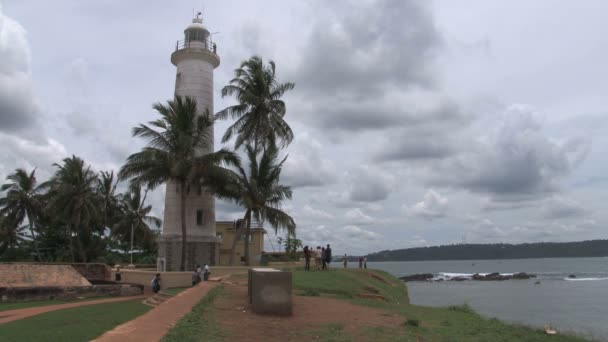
x=479, y=277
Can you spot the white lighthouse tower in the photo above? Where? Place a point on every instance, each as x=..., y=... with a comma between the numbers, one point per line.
x=195, y=58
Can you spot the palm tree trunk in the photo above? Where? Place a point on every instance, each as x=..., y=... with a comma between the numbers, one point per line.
x=71, y=242
x=182, y=265
x=247, y=234
x=237, y=237
x=34, y=238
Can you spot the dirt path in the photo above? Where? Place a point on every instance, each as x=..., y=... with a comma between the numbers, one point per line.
x=153, y=325
x=13, y=315
x=309, y=314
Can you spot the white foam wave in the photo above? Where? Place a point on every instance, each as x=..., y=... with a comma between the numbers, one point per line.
x=585, y=279
x=449, y=276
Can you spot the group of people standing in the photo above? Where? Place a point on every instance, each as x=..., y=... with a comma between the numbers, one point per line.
x=321, y=255
x=362, y=261
x=198, y=271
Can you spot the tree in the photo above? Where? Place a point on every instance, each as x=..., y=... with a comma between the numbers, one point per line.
x=135, y=221
x=291, y=246
x=106, y=189
x=73, y=198
x=179, y=150
x=11, y=235
x=259, y=192
x=260, y=110
x=22, y=201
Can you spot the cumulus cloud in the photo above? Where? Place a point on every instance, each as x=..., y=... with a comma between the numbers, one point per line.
x=19, y=152
x=432, y=206
x=313, y=213
x=18, y=109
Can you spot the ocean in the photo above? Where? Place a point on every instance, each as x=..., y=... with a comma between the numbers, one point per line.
x=579, y=305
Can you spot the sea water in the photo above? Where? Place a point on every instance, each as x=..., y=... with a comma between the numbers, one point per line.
x=579, y=304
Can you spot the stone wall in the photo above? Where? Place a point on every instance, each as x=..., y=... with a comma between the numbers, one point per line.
x=20, y=294
x=93, y=271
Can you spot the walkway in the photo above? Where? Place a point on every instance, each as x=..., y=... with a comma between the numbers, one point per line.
x=13, y=315
x=154, y=324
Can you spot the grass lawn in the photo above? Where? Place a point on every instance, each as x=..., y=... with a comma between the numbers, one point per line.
x=24, y=305
x=175, y=290
x=200, y=323
x=76, y=324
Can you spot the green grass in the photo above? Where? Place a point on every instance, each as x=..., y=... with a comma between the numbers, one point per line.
x=24, y=305
x=175, y=290
x=200, y=324
x=76, y=324
x=332, y=332
x=455, y=323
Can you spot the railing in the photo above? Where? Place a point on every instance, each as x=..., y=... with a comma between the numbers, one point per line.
x=196, y=44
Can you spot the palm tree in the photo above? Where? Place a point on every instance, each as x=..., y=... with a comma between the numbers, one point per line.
x=136, y=219
x=22, y=201
x=259, y=192
x=73, y=198
x=260, y=110
x=179, y=150
x=106, y=189
x=11, y=235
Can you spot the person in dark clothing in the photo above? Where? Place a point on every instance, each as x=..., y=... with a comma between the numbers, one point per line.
x=328, y=255
x=156, y=283
x=307, y=258
x=360, y=262
x=323, y=258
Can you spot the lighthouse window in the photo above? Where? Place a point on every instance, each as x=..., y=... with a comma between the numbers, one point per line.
x=199, y=217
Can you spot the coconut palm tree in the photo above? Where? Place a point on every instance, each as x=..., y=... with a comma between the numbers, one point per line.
x=259, y=192
x=109, y=207
x=260, y=110
x=179, y=150
x=11, y=235
x=135, y=220
x=22, y=201
x=72, y=197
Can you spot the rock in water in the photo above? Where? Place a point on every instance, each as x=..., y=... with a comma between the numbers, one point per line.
x=417, y=277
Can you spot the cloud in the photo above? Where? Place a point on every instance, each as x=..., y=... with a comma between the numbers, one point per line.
x=513, y=161
x=20, y=152
x=306, y=165
x=368, y=184
x=559, y=207
x=18, y=109
x=366, y=47
x=367, y=76
x=431, y=207
x=357, y=216
x=310, y=212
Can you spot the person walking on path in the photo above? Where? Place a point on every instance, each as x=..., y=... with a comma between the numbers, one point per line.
x=345, y=261
x=196, y=276
x=327, y=256
x=206, y=273
x=307, y=258
x=156, y=283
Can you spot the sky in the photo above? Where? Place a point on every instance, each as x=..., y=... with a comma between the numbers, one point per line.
x=417, y=123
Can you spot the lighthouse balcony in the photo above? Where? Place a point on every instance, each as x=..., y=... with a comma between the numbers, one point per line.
x=205, y=49
x=196, y=44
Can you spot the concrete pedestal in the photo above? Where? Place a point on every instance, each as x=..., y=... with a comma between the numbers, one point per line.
x=270, y=291
x=199, y=251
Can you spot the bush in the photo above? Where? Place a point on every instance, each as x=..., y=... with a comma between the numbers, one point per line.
x=412, y=322
x=464, y=308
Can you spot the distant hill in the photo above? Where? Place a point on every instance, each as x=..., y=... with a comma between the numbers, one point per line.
x=592, y=248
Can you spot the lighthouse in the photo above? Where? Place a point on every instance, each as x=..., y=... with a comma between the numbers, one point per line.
x=195, y=58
